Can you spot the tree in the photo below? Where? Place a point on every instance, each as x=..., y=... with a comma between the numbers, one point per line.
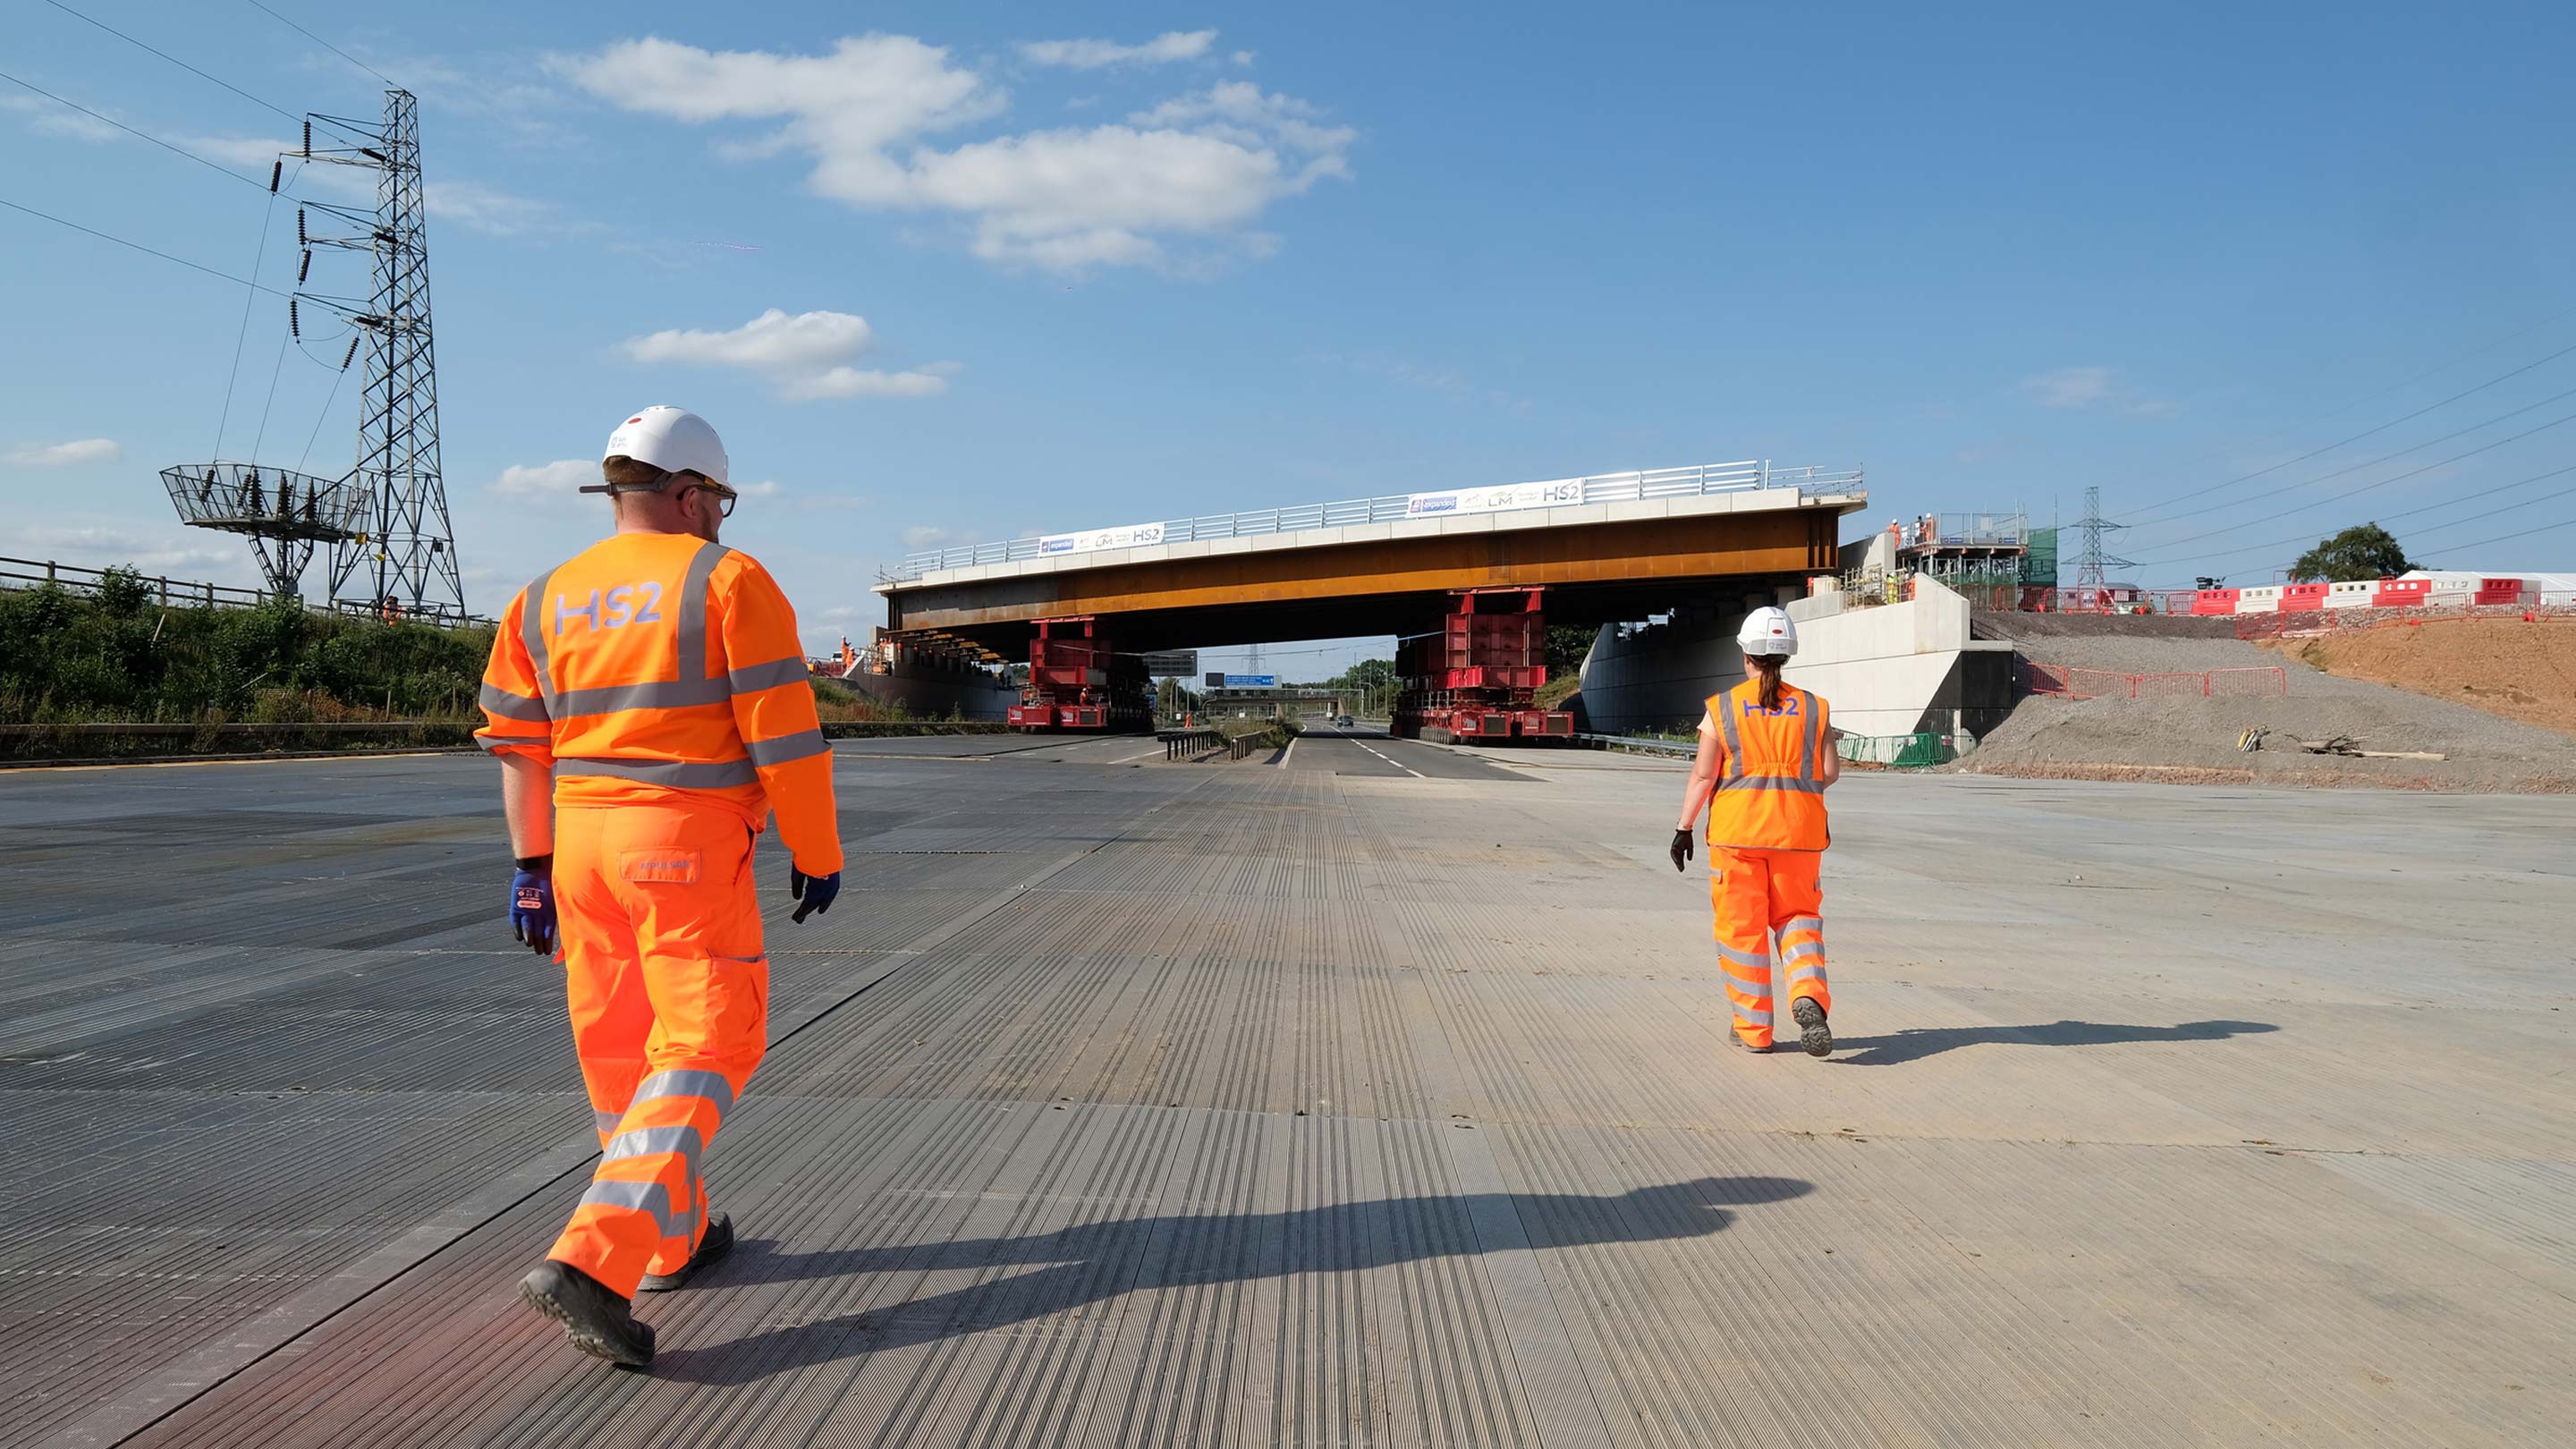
x=1566, y=646
x=2367, y=551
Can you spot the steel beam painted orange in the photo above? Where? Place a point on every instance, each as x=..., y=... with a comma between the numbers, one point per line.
x=1784, y=542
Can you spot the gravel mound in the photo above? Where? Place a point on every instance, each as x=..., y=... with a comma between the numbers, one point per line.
x=2054, y=735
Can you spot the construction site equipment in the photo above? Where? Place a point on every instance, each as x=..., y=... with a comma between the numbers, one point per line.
x=1476, y=680
x=2253, y=740
x=285, y=515
x=1078, y=681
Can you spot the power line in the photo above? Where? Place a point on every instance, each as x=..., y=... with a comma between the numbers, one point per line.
x=2365, y=488
x=326, y=45
x=2504, y=538
x=2371, y=463
x=174, y=60
x=246, y=180
x=2412, y=512
x=140, y=247
x=2355, y=438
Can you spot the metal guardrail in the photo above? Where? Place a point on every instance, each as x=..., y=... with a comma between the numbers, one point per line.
x=22, y=571
x=1747, y=476
x=1638, y=745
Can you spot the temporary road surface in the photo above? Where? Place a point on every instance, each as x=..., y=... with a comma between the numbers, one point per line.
x=1120, y=1102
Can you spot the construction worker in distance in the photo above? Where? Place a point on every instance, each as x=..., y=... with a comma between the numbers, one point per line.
x=657, y=680
x=1766, y=755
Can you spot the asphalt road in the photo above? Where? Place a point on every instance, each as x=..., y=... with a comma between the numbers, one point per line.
x=1325, y=1102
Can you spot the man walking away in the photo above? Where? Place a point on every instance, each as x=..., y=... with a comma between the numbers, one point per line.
x=658, y=679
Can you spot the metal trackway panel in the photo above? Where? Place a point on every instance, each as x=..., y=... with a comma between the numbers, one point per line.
x=1232, y=1104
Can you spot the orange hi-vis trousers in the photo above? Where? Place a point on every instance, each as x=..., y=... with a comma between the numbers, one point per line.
x=1757, y=892
x=670, y=1012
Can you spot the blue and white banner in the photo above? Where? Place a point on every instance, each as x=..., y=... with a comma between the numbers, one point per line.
x=1500, y=499
x=1133, y=535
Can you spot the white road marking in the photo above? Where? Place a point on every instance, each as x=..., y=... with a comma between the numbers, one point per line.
x=1417, y=774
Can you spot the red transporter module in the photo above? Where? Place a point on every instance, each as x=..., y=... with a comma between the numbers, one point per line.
x=1076, y=682
x=1476, y=680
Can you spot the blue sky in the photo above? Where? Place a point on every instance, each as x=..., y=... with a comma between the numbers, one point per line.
x=1167, y=260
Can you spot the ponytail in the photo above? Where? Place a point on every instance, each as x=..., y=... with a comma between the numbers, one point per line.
x=1766, y=667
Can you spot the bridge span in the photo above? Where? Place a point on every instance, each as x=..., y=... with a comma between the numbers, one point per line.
x=1608, y=548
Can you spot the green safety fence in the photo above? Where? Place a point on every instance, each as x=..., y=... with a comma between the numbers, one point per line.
x=1898, y=752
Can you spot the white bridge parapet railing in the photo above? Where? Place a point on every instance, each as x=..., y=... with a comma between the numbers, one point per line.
x=1743, y=477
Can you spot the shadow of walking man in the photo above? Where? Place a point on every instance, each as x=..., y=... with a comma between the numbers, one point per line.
x=1916, y=1043
x=1015, y=1280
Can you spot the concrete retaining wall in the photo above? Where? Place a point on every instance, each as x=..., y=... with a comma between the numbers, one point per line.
x=1888, y=670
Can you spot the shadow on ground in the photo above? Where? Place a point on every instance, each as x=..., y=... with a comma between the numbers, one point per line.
x=1089, y=1263
x=1915, y=1043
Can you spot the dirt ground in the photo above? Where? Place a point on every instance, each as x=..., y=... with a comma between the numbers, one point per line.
x=2192, y=740
x=2523, y=671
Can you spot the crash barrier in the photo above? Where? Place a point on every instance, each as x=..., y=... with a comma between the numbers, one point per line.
x=1898, y=752
x=2040, y=678
x=2323, y=621
x=1181, y=744
x=1638, y=744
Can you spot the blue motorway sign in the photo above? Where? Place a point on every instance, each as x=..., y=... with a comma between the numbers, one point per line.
x=1252, y=681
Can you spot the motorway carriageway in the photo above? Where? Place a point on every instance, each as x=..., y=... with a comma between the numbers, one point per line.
x=1361, y=750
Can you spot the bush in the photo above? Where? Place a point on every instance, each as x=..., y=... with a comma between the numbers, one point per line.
x=119, y=654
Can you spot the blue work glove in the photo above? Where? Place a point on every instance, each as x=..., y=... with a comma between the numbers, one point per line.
x=816, y=891
x=532, y=903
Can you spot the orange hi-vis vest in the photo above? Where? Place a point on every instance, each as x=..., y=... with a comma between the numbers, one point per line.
x=660, y=668
x=1771, y=789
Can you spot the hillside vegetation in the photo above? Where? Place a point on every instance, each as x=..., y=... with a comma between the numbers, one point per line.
x=119, y=654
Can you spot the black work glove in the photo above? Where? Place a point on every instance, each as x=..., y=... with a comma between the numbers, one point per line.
x=1681, y=847
x=816, y=891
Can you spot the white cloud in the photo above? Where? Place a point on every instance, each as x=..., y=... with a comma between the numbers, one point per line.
x=160, y=552
x=2070, y=387
x=806, y=356
x=922, y=536
x=65, y=455
x=1201, y=166
x=1243, y=57
x=1093, y=54
x=2094, y=387
x=53, y=120
x=560, y=478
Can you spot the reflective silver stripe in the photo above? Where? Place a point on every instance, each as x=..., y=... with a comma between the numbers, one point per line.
x=659, y=694
x=606, y=1122
x=654, y=1141
x=496, y=743
x=1807, y=738
x=769, y=676
x=1753, y=960
x=532, y=633
x=689, y=1083
x=1724, y=710
x=802, y=745
x=646, y=1197
x=680, y=774
x=1804, y=923
x=693, y=610
x=1758, y=990
x=503, y=703
x=1774, y=782
x=1801, y=950
x=1752, y=1018
x=1814, y=973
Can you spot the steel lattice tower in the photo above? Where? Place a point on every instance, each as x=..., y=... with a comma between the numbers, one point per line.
x=405, y=560
x=2093, y=563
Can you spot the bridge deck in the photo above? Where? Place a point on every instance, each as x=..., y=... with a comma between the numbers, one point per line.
x=1340, y=1102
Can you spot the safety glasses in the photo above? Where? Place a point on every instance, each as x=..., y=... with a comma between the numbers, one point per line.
x=725, y=497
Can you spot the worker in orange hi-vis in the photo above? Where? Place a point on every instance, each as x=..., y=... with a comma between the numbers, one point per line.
x=657, y=681
x=1766, y=754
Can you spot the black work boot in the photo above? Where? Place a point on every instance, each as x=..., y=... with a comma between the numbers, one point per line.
x=714, y=1243
x=1813, y=1034
x=595, y=1320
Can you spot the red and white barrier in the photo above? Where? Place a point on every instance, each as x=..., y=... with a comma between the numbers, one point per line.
x=2459, y=590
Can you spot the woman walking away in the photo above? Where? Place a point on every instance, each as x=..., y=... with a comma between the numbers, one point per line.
x=1766, y=754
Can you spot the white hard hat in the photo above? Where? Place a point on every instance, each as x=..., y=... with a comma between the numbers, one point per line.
x=1768, y=631
x=674, y=440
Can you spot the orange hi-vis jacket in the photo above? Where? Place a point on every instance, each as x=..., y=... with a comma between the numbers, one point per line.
x=1770, y=792
x=660, y=668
